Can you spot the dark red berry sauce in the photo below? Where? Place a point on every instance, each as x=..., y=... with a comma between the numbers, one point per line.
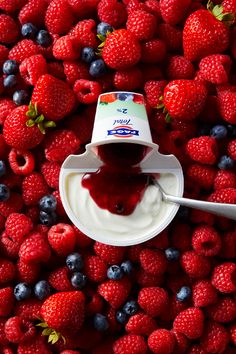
x=119, y=184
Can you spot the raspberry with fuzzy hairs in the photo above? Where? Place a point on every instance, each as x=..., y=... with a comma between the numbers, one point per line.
x=203, y=175
x=13, y=205
x=223, y=311
x=35, y=249
x=61, y=238
x=172, y=36
x=75, y=71
x=141, y=324
x=7, y=301
x=130, y=343
x=215, y=338
x=34, y=187
x=86, y=91
x=203, y=293
x=28, y=309
x=206, y=241
x=59, y=279
x=27, y=272
x=109, y=254
x=153, y=51
x=179, y=67
x=224, y=277
x=115, y=292
x=30, y=12
x=154, y=90
x=95, y=268
x=190, y=322
x=153, y=300
x=7, y=271
x=32, y=68
x=9, y=30
x=195, y=265
x=224, y=179
x=16, y=163
x=231, y=148
x=153, y=261
x=128, y=80
x=18, y=330
x=203, y=149
x=8, y=247
x=23, y=50
x=60, y=144
x=112, y=12
x=215, y=68
x=85, y=32
x=66, y=48
x=51, y=172
x=161, y=341
x=18, y=226
x=6, y=107
x=142, y=24
x=224, y=195
x=59, y=17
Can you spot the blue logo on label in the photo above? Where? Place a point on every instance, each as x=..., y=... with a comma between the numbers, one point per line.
x=123, y=132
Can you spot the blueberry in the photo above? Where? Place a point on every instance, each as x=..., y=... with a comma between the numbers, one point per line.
x=225, y=163
x=20, y=97
x=130, y=308
x=100, y=322
x=28, y=30
x=127, y=267
x=42, y=289
x=2, y=168
x=47, y=219
x=121, y=317
x=114, y=272
x=183, y=294
x=74, y=262
x=4, y=192
x=88, y=54
x=218, y=132
x=78, y=280
x=172, y=254
x=44, y=38
x=231, y=130
x=48, y=203
x=103, y=28
x=124, y=96
x=22, y=291
x=10, y=81
x=97, y=68
x=10, y=67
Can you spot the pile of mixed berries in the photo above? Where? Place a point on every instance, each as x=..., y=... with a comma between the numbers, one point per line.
x=61, y=292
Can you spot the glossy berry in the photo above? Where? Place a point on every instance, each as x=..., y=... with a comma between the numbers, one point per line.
x=100, y=322
x=10, y=67
x=127, y=267
x=20, y=97
x=48, y=203
x=218, y=132
x=78, y=280
x=44, y=38
x=74, y=262
x=183, y=294
x=103, y=28
x=2, y=168
x=10, y=81
x=97, y=68
x=22, y=291
x=172, y=254
x=42, y=289
x=4, y=193
x=121, y=317
x=115, y=272
x=130, y=308
x=225, y=163
x=47, y=219
x=88, y=54
x=28, y=30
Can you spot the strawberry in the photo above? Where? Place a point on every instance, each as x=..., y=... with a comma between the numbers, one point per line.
x=112, y=12
x=121, y=50
x=141, y=324
x=223, y=311
x=190, y=322
x=9, y=31
x=59, y=17
x=174, y=11
x=6, y=301
x=161, y=341
x=30, y=12
x=223, y=277
x=153, y=300
x=215, y=338
x=215, y=68
x=205, y=33
x=54, y=97
x=142, y=24
x=115, y=292
x=130, y=343
x=61, y=238
x=227, y=103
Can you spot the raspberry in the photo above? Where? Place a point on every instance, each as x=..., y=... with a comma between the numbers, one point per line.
x=75, y=71
x=60, y=144
x=32, y=68
x=203, y=175
x=128, y=80
x=206, y=241
x=130, y=343
x=181, y=343
x=195, y=265
x=172, y=36
x=9, y=31
x=56, y=69
x=161, y=241
x=28, y=309
x=13, y=205
x=153, y=300
x=215, y=338
x=153, y=51
x=153, y=261
x=61, y=238
x=225, y=195
x=35, y=249
x=85, y=32
x=3, y=339
x=59, y=17
x=9, y=248
x=87, y=91
x=7, y=300
x=34, y=345
x=228, y=249
x=17, y=165
x=109, y=254
x=23, y=50
x=202, y=149
x=18, y=226
x=223, y=311
x=204, y=293
x=154, y=90
x=6, y=107
x=233, y=334
x=50, y=172
x=181, y=237
x=95, y=268
x=59, y=209
x=141, y=324
x=30, y=12
x=112, y=12
x=115, y=292
x=7, y=271
x=179, y=67
x=224, y=179
x=232, y=149
x=66, y=48
x=161, y=341
x=142, y=24
x=59, y=279
x=95, y=305
x=190, y=322
x=27, y=272
x=134, y=5
x=19, y=330
x=83, y=8
x=145, y=279
x=174, y=11
x=34, y=188
x=224, y=277
x=215, y=68
x=196, y=349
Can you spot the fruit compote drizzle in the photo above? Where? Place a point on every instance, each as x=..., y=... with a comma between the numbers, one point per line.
x=119, y=184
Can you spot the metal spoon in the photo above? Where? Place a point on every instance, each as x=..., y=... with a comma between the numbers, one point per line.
x=223, y=209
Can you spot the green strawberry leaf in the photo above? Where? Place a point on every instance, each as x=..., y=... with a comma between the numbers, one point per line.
x=168, y=118
x=47, y=331
x=101, y=45
x=101, y=37
x=160, y=106
x=42, y=324
x=41, y=128
x=39, y=119
x=31, y=114
x=30, y=123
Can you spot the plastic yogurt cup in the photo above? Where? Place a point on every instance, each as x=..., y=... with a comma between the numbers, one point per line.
x=151, y=214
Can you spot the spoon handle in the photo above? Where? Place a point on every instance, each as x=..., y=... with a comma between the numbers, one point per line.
x=223, y=209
